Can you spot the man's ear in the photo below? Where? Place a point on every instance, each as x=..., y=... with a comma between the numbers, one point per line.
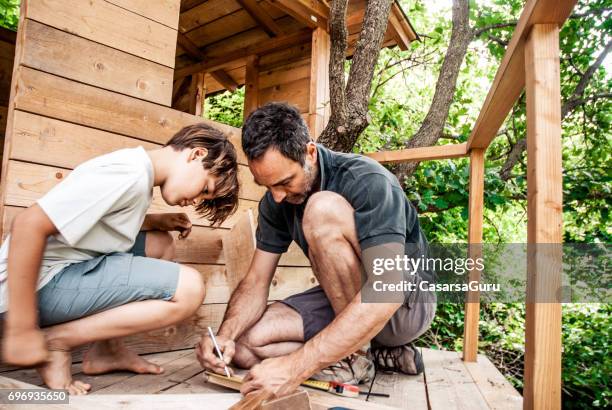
x=311, y=151
x=198, y=153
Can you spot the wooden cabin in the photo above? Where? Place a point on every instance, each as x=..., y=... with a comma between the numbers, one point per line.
x=92, y=77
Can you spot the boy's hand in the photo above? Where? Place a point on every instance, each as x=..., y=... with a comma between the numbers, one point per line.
x=207, y=355
x=174, y=222
x=24, y=347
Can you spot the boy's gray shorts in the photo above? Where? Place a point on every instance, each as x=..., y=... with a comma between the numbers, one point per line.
x=407, y=323
x=107, y=281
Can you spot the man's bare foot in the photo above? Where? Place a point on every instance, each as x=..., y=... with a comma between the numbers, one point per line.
x=108, y=356
x=56, y=373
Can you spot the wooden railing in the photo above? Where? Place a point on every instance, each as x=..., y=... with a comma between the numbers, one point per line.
x=531, y=63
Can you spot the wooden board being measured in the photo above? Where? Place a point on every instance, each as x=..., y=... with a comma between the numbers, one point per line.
x=59, y=98
x=57, y=52
x=109, y=24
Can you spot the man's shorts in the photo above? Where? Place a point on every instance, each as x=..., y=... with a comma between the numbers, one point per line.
x=408, y=323
x=105, y=282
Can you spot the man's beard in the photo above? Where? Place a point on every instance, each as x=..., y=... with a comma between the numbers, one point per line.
x=310, y=176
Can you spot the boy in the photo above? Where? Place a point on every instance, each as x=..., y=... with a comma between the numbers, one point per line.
x=99, y=266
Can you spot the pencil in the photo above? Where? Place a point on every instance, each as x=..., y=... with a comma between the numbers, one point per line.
x=212, y=336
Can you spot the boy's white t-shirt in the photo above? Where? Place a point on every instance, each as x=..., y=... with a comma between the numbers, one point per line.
x=98, y=209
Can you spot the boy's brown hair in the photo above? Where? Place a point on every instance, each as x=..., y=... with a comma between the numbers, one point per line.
x=221, y=162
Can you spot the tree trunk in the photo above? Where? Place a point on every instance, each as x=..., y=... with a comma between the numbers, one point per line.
x=433, y=125
x=349, y=105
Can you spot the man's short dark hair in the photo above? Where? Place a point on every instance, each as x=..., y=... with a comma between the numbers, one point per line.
x=275, y=125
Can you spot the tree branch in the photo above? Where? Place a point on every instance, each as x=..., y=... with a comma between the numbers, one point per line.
x=433, y=125
x=478, y=31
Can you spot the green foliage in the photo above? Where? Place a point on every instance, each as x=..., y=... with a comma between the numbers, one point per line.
x=226, y=107
x=586, y=331
x=9, y=14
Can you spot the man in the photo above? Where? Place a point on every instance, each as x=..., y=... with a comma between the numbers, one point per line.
x=344, y=211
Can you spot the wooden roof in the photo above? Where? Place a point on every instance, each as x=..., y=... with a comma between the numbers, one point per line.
x=217, y=36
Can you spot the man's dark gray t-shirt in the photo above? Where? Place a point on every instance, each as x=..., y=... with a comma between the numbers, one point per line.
x=383, y=214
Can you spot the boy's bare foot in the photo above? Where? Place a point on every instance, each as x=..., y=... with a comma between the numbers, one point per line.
x=56, y=373
x=108, y=356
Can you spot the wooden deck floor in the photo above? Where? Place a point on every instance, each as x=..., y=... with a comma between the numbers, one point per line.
x=447, y=383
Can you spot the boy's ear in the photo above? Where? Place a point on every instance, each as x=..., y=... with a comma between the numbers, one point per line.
x=198, y=153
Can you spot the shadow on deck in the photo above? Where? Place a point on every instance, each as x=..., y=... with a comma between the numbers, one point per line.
x=447, y=383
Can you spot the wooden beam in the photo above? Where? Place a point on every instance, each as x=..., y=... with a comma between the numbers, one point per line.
x=190, y=47
x=275, y=44
x=510, y=78
x=319, y=108
x=420, y=154
x=251, y=84
x=475, y=215
x=196, y=94
x=179, y=88
x=262, y=18
x=544, y=223
x=225, y=80
x=311, y=13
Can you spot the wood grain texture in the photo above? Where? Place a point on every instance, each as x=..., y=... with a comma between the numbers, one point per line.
x=205, y=13
x=251, y=86
x=54, y=51
x=165, y=12
x=420, y=154
x=475, y=218
x=544, y=219
x=59, y=98
x=296, y=93
x=510, y=77
x=239, y=246
x=108, y=24
x=319, y=108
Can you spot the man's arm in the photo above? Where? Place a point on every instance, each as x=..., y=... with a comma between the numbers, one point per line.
x=24, y=343
x=246, y=306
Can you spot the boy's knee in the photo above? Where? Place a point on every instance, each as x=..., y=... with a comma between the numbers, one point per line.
x=160, y=245
x=190, y=291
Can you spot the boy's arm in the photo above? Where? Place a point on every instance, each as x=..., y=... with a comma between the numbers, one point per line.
x=246, y=306
x=24, y=343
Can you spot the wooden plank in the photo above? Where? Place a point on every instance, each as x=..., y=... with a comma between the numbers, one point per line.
x=189, y=47
x=449, y=384
x=196, y=94
x=475, y=216
x=222, y=28
x=420, y=154
x=165, y=12
x=319, y=108
x=496, y=390
x=311, y=13
x=216, y=401
x=406, y=392
x=284, y=74
x=108, y=24
x=269, y=46
x=544, y=219
x=205, y=13
x=262, y=18
x=53, y=51
x=251, y=87
x=221, y=281
x=239, y=247
x=224, y=79
x=59, y=98
x=295, y=93
x=510, y=78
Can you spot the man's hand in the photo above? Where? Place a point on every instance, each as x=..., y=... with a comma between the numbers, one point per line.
x=172, y=222
x=24, y=347
x=278, y=375
x=207, y=356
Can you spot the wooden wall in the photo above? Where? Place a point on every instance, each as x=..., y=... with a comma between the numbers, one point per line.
x=7, y=55
x=93, y=77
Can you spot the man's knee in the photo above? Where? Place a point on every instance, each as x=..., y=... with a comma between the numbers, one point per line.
x=160, y=245
x=327, y=215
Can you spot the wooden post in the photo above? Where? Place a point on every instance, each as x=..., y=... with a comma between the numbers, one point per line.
x=544, y=225
x=475, y=215
x=251, y=86
x=318, y=108
x=196, y=94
